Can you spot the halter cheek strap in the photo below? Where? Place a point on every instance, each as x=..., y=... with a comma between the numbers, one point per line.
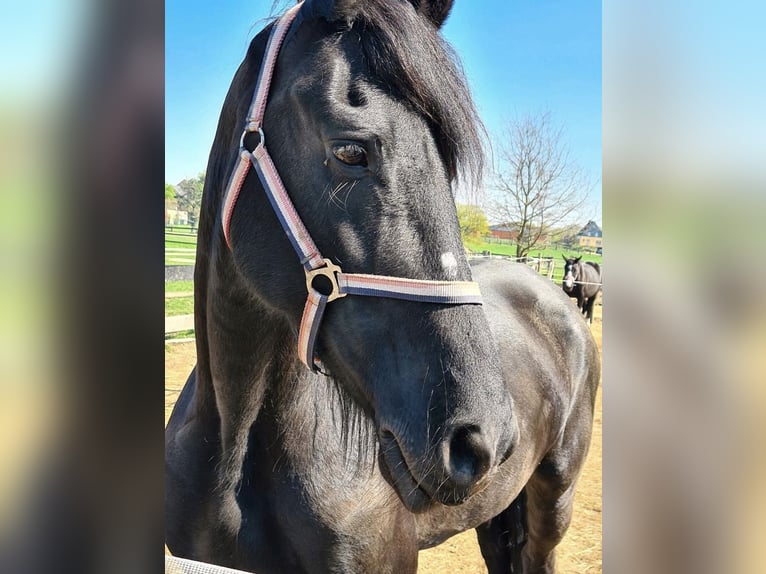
x=342, y=284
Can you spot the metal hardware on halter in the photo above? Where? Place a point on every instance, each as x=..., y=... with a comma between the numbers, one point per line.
x=247, y=132
x=331, y=271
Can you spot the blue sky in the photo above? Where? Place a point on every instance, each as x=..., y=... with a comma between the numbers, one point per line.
x=520, y=57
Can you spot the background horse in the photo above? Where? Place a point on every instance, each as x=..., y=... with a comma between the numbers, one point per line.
x=427, y=419
x=582, y=281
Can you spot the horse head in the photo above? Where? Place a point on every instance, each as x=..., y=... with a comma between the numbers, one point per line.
x=369, y=123
x=571, y=272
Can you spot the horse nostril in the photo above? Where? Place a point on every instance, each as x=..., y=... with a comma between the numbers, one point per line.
x=468, y=457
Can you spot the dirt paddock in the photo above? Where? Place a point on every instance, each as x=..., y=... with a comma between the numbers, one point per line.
x=579, y=552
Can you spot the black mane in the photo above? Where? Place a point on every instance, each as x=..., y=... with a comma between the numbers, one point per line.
x=414, y=64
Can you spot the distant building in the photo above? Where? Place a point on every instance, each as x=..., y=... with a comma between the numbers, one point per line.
x=511, y=233
x=176, y=217
x=504, y=231
x=590, y=236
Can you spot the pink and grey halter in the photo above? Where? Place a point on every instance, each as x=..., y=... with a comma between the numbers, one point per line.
x=444, y=292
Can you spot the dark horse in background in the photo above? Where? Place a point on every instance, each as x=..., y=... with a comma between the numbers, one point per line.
x=582, y=281
x=434, y=419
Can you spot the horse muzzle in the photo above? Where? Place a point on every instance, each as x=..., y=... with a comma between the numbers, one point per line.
x=454, y=469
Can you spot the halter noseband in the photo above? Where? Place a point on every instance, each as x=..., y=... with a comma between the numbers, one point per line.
x=444, y=292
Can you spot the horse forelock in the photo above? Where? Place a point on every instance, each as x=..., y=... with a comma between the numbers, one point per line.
x=411, y=61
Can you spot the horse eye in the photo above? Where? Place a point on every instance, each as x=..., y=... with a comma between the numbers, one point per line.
x=350, y=154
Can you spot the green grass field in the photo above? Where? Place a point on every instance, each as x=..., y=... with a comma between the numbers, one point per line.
x=510, y=250
x=178, y=286
x=179, y=306
x=180, y=245
x=479, y=247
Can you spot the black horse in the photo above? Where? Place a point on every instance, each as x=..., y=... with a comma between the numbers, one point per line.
x=582, y=281
x=434, y=418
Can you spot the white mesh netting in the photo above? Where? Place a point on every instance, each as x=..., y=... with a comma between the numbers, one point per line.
x=174, y=565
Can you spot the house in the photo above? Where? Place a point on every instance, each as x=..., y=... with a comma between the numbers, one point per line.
x=504, y=231
x=173, y=215
x=511, y=233
x=590, y=236
x=176, y=217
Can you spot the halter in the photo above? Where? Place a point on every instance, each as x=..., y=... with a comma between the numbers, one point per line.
x=444, y=292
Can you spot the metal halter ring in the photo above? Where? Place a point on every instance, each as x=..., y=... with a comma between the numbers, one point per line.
x=245, y=132
x=331, y=271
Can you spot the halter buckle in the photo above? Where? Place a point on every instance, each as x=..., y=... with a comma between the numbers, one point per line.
x=329, y=270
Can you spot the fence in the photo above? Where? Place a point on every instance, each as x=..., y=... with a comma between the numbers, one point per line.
x=544, y=265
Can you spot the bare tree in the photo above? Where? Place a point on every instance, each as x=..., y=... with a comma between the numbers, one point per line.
x=537, y=187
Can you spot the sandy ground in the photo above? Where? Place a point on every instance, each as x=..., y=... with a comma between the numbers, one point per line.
x=578, y=553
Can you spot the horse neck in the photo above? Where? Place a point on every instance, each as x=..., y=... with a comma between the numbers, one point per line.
x=242, y=344
x=248, y=370
x=213, y=259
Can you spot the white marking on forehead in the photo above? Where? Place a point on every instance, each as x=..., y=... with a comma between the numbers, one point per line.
x=448, y=259
x=449, y=263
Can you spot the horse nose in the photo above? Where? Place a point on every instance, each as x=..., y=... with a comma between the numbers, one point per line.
x=467, y=459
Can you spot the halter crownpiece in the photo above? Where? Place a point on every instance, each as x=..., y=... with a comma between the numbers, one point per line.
x=342, y=284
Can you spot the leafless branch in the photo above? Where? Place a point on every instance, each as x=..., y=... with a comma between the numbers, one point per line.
x=536, y=186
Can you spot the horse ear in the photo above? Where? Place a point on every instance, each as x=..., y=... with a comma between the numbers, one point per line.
x=578, y=259
x=564, y=257
x=435, y=10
